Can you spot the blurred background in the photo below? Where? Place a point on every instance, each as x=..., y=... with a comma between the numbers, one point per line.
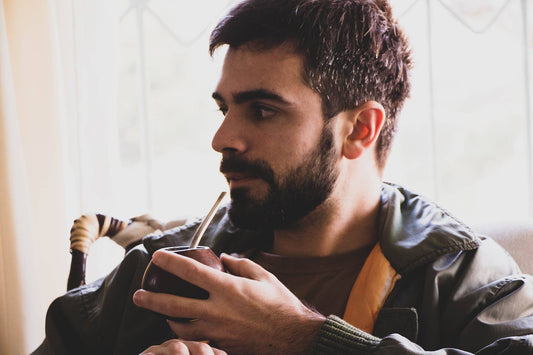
x=106, y=107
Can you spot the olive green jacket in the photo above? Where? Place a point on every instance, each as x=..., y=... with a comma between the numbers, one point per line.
x=458, y=292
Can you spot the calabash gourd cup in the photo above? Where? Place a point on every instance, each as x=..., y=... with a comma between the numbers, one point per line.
x=156, y=279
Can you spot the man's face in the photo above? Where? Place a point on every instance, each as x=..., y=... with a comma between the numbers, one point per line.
x=278, y=155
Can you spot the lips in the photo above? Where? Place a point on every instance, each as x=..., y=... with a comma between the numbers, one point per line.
x=239, y=179
x=238, y=170
x=237, y=176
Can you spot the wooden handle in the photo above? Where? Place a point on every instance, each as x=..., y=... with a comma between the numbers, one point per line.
x=84, y=232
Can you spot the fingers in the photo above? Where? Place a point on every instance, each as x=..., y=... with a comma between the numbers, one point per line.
x=194, y=330
x=182, y=347
x=204, y=276
x=244, y=267
x=173, y=346
x=190, y=270
x=170, y=305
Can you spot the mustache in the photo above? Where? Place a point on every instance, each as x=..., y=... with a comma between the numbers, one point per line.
x=254, y=168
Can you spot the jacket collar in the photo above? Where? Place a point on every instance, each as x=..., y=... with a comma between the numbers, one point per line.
x=414, y=231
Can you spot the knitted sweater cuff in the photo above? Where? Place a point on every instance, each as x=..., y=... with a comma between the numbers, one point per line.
x=338, y=337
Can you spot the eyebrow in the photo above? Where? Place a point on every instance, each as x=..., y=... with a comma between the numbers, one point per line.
x=246, y=96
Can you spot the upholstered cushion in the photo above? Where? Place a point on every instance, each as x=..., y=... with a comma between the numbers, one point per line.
x=516, y=238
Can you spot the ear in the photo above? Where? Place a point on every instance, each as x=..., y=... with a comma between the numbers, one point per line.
x=364, y=124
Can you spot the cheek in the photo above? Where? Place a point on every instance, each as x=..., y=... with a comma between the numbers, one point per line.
x=284, y=143
x=287, y=152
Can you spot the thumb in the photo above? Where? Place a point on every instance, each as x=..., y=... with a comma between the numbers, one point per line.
x=244, y=267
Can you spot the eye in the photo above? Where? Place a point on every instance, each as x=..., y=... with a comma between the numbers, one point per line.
x=261, y=112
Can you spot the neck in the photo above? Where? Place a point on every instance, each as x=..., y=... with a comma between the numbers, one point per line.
x=339, y=225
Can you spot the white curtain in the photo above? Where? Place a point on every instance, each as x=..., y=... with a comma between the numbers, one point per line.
x=56, y=90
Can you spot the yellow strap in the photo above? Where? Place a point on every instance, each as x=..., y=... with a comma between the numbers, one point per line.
x=369, y=292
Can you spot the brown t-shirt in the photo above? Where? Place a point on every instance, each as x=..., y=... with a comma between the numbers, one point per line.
x=321, y=282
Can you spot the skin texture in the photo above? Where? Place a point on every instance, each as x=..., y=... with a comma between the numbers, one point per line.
x=272, y=116
x=184, y=347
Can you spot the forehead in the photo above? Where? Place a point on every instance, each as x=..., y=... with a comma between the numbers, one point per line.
x=278, y=69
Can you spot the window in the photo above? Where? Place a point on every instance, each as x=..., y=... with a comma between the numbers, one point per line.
x=165, y=111
x=465, y=136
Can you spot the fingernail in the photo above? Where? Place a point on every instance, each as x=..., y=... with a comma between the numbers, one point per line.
x=138, y=296
x=156, y=257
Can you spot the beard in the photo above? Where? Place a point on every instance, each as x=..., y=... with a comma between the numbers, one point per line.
x=290, y=197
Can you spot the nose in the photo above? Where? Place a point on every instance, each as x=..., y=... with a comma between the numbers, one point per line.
x=230, y=136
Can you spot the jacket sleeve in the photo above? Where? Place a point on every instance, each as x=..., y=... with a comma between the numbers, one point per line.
x=474, y=302
x=338, y=337
x=100, y=318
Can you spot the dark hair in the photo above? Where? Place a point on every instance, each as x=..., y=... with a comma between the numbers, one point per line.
x=353, y=50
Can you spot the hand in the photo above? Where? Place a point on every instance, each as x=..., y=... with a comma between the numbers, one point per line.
x=182, y=347
x=248, y=311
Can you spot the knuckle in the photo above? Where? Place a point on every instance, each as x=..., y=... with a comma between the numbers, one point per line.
x=245, y=262
x=203, y=346
x=270, y=276
x=257, y=269
x=178, y=346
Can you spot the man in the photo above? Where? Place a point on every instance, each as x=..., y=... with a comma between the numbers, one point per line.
x=329, y=259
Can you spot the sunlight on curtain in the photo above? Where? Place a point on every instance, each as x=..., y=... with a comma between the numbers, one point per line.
x=59, y=137
x=94, y=129
x=12, y=206
x=33, y=209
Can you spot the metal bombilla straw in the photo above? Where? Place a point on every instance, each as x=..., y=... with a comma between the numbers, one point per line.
x=205, y=223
